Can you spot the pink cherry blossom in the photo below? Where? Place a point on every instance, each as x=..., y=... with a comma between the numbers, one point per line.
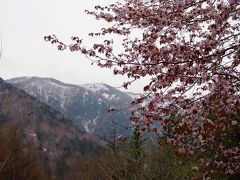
x=191, y=51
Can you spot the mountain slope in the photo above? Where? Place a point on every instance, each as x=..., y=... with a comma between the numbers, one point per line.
x=86, y=104
x=55, y=136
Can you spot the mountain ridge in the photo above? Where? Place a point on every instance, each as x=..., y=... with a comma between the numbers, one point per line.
x=86, y=104
x=55, y=136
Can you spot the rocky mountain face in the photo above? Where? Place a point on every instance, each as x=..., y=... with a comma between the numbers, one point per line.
x=55, y=136
x=87, y=105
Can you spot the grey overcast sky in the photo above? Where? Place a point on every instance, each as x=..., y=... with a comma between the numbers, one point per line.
x=24, y=23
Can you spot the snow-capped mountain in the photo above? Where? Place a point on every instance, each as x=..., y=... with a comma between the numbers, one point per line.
x=86, y=104
x=53, y=135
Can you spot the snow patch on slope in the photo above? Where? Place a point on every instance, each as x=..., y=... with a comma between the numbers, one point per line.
x=90, y=125
x=96, y=87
